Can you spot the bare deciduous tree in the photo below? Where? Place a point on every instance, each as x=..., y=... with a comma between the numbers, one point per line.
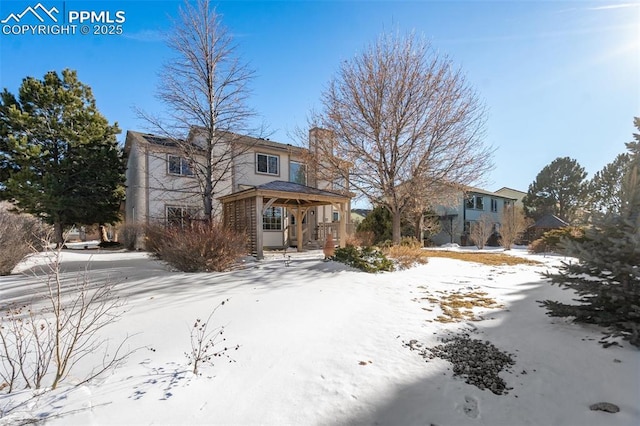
x=512, y=224
x=405, y=120
x=205, y=88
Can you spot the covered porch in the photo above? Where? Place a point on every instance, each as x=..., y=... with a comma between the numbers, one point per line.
x=243, y=211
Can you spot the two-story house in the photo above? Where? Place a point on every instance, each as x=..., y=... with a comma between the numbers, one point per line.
x=470, y=206
x=266, y=189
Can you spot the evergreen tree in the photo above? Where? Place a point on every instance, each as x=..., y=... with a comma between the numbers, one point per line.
x=558, y=189
x=59, y=158
x=379, y=222
x=607, y=277
x=604, y=189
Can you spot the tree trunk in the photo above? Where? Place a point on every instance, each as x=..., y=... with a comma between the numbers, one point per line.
x=396, y=217
x=58, y=234
x=208, y=194
x=419, y=223
x=103, y=234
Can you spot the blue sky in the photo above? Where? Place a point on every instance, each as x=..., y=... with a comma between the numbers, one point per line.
x=560, y=78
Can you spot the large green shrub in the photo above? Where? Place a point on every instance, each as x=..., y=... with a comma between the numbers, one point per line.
x=198, y=248
x=378, y=221
x=556, y=239
x=367, y=259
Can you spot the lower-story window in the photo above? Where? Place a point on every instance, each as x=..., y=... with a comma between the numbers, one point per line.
x=180, y=216
x=272, y=219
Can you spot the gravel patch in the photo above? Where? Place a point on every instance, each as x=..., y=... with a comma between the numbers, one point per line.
x=477, y=361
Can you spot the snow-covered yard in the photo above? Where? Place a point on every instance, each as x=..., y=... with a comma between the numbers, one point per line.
x=321, y=343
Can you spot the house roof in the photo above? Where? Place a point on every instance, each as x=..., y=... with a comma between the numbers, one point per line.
x=289, y=194
x=149, y=138
x=507, y=190
x=164, y=141
x=549, y=221
x=485, y=192
x=250, y=140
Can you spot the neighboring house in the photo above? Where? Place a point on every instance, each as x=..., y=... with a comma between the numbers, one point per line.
x=512, y=193
x=358, y=215
x=298, y=211
x=548, y=222
x=470, y=206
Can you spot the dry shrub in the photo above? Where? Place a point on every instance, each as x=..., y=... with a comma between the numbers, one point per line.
x=539, y=246
x=130, y=234
x=406, y=256
x=410, y=242
x=492, y=259
x=20, y=235
x=361, y=239
x=201, y=247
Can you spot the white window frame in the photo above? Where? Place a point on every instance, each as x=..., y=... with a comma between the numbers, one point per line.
x=268, y=171
x=270, y=222
x=184, y=166
x=186, y=212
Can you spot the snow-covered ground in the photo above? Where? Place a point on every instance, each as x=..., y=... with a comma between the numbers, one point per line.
x=323, y=344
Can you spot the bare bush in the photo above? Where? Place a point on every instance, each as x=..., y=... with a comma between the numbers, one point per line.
x=27, y=347
x=202, y=247
x=131, y=234
x=481, y=230
x=63, y=331
x=207, y=343
x=19, y=233
x=78, y=320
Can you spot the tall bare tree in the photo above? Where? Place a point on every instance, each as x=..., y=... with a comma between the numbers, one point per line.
x=205, y=89
x=512, y=224
x=405, y=119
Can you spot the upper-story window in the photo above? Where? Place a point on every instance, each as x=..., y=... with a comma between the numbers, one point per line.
x=178, y=166
x=268, y=164
x=494, y=205
x=297, y=173
x=475, y=202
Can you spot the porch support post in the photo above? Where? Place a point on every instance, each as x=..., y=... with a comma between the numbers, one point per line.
x=259, y=230
x=299, y=213
x=342, y=225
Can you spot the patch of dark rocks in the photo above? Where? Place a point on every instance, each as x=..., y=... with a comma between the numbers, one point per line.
x=477, y=361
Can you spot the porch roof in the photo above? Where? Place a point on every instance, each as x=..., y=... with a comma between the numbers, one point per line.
x=289, y=194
